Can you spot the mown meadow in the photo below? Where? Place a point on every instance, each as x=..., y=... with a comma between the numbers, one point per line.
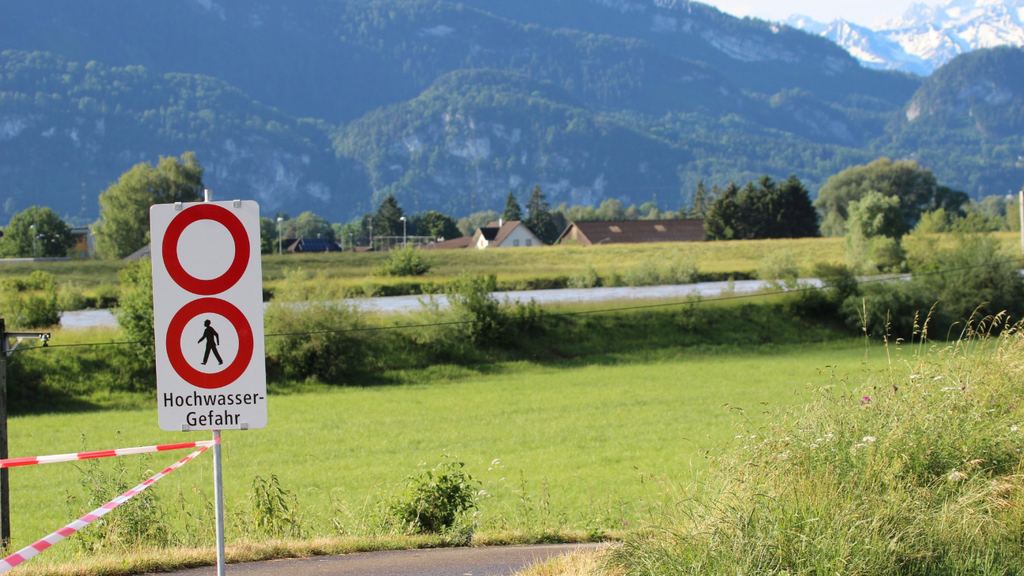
x=572, y=450
x=491, y=422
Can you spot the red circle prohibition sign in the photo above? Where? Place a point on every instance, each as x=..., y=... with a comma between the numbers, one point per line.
x=238, y=235
x=177, y=358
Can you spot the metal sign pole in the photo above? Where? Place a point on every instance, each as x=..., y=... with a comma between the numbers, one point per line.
x=5, y=489
x=218, y=490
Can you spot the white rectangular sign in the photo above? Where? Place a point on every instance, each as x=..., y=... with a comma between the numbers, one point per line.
x=208, y=316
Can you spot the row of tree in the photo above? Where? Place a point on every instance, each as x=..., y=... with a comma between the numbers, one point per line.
x=898, y=194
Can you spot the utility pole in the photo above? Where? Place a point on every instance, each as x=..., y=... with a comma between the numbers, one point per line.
x=1020, y=211
x=5, y=489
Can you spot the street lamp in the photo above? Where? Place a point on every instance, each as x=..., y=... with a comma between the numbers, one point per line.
x=279, y=220
x=33, y=228
x=403, y=232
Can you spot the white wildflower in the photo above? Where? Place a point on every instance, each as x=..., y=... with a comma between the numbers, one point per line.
x=868, y=439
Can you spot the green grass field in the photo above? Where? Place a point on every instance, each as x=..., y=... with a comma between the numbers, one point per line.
x=516, y=269
x=580, y=438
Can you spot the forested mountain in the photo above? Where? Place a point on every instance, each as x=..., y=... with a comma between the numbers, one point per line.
x=68, y=129
x=328, y=104
x=967, y=122
x=484, y=132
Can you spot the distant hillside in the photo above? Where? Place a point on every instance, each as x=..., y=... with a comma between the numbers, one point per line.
x=68, y=129
x=754, y=54
x=327, y=105
x=474, y=135
x=967, y=122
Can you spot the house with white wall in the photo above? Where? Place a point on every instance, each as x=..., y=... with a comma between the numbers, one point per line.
x=513, y=234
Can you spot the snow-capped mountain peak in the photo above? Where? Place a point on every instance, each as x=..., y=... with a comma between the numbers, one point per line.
x=926, y=37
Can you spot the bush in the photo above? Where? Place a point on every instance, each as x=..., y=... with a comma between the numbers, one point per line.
x=271, y=512
x=309, y=331
x=403, y=262
x=897, y=309
x=838, y=284
x=30, y=302
x=586, y=279
x=972, y=272
x=471, y=301
x=70, y=297
x=780, y=269
x=135, y=314
x=659, y=269
x=436, y=500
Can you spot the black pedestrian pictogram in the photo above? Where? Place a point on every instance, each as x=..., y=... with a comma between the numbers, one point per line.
x=212, y=341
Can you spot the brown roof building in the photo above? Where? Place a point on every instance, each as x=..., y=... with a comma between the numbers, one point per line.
x=632, y=232
x=453, y=244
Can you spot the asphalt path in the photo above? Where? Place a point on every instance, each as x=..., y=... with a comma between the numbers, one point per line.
x=483, y=561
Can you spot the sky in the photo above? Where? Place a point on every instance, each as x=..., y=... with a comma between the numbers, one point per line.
x=863, y=12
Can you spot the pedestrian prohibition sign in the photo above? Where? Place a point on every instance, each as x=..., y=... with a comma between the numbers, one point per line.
x=208, y=316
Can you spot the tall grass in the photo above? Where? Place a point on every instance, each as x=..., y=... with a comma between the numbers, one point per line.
x=916, y=471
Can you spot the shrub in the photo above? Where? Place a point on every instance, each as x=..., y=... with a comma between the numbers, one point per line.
x=838, y=284
x=403, y=262
x=680, y=269
x=30, y=302
x=137, y=522
x=972, y=272
x=435, y=500
x=309, y=331
x=674, y=268
x=470, y=300
x=106, y=296
x=135, y=313
x=780, y=269
x=898, y=309
x=586, y=279
x=271, y=511
x=70, y=297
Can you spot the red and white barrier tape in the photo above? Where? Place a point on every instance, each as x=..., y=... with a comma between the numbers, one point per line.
x=32, y=460
x=41, y=545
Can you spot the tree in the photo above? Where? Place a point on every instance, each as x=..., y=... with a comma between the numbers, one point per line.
x=762, y=210
x=512, y=210
x=701, y=202
x=874, y=228
x=135, y=306
x=538, y=218
x=36, y=231
x=388, y=220
x=793, y=212
x=309, y=225
x=123, y=226
x=722, y=217
x=915, y=187
x=469, y=224
x=437, y=225
x=611, y=209
x=268, y=236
